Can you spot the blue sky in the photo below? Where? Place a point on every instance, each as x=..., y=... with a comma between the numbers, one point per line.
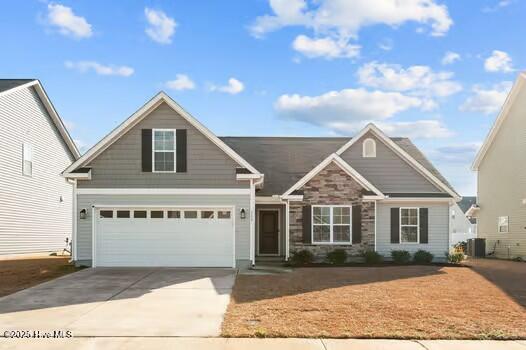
x=436, y=71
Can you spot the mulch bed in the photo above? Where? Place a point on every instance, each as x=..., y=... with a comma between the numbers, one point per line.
x=18, y=274
x=417, y=302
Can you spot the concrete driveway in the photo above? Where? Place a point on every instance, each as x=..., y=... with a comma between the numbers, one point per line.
x=124, y=302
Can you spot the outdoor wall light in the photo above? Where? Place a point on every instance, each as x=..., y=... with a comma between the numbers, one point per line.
x=242, y=213
x=83, y=213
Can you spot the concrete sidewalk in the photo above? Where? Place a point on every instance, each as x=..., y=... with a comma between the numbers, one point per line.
x=159, y=343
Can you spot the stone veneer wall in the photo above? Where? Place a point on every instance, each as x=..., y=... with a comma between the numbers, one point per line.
x=332, y=185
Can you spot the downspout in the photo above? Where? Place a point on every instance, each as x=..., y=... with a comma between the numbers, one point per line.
x=74, y=218
x=252, y=219
x=287, y=232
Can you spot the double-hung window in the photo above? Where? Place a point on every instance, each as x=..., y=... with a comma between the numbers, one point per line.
x=27, y=160
x=409, y=225
x=503, y=224
x=331, y=224
x=163, y=149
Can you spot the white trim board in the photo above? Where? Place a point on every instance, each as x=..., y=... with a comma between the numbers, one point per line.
x=510, y=100
x=165, y=191
x=57, y=121
x=139, y=115
x=403, y=154
x=344, y=166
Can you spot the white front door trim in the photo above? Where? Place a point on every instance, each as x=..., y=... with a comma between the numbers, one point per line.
x=259, y=210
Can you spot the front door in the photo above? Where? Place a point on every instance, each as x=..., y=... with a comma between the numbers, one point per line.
x=269, y=232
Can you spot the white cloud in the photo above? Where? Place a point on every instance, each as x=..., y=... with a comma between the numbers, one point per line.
x=84, y=66
x=499, y=61
x=345, y=106
x=161, y=28
x=499, y=5
x=182, y=82
x=67, y=22
x=487, y=101
x=386, y=44
x=348, y=17
x=325, y=47
x=233, y=87
x=450, y=58
x=416, y=80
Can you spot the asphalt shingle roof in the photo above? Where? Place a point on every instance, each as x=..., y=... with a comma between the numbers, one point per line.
x=285, y=160
x=8, y=84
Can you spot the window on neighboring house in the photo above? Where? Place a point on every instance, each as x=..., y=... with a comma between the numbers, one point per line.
x=331, y=224
x=503, y=223
x=27, y=160
x=369, y=148
x=409, y=225
x=163, y=150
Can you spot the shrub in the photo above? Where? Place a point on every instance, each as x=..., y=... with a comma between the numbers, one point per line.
x=337, y=257
x=372, y=257
x=423, y=257
x=400, y=256
x=301, y=257
x=455, y=257
x=461, y=247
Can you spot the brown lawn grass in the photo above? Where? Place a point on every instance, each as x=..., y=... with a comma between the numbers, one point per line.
x=419, y=302
x=18, y=274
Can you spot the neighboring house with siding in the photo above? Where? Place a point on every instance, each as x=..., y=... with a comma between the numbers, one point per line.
x=163, y=190
x=36, y=202
x=462, y=226
x=501, y=172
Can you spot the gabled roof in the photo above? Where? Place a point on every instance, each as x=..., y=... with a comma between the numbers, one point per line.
x=334, y=158
x=139, y=115
x=466, y=203
x=510, y=100
x=404, y=155
x=285, y=160
x=9, y=86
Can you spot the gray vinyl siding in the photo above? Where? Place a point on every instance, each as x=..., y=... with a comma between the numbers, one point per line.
x=502, y=185
x=387, y=171
x=32, y=217
x=119, y=166
x=438, y=229
x=84, y=226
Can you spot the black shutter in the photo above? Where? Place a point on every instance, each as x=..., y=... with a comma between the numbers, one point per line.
x=146, y=150
x=395, y=225
x=424, y=223
x=307, y=227
x=180, y=137
x=356, y=224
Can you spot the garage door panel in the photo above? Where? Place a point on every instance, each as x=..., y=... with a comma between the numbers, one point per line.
x=165, y=242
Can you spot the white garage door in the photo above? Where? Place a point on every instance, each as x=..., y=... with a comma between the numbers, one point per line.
x=197, y=237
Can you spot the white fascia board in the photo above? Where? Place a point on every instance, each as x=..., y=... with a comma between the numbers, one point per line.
x=78, y=176
x=293, y=197
x=140, y=114
x=403, y=154
x=57, y=121
x=269, y=200
x=510, y=100
x=417, y=199
x=164, y=191
x=343, y=165
x=472, y=211
x=247, y=176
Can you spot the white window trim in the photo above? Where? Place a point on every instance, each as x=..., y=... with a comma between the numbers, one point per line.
x=27, y=148
x=417, y=226
x=507, y=224
x=331, y=207
x=174, y=151
x=364, y=154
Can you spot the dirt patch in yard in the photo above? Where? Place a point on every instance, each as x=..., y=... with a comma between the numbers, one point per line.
x=420, y=302
x=21, y=273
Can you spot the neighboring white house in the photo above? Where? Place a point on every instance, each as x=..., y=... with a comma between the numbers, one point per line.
x=501, y=179
x=36, y=202
x=462, y=227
